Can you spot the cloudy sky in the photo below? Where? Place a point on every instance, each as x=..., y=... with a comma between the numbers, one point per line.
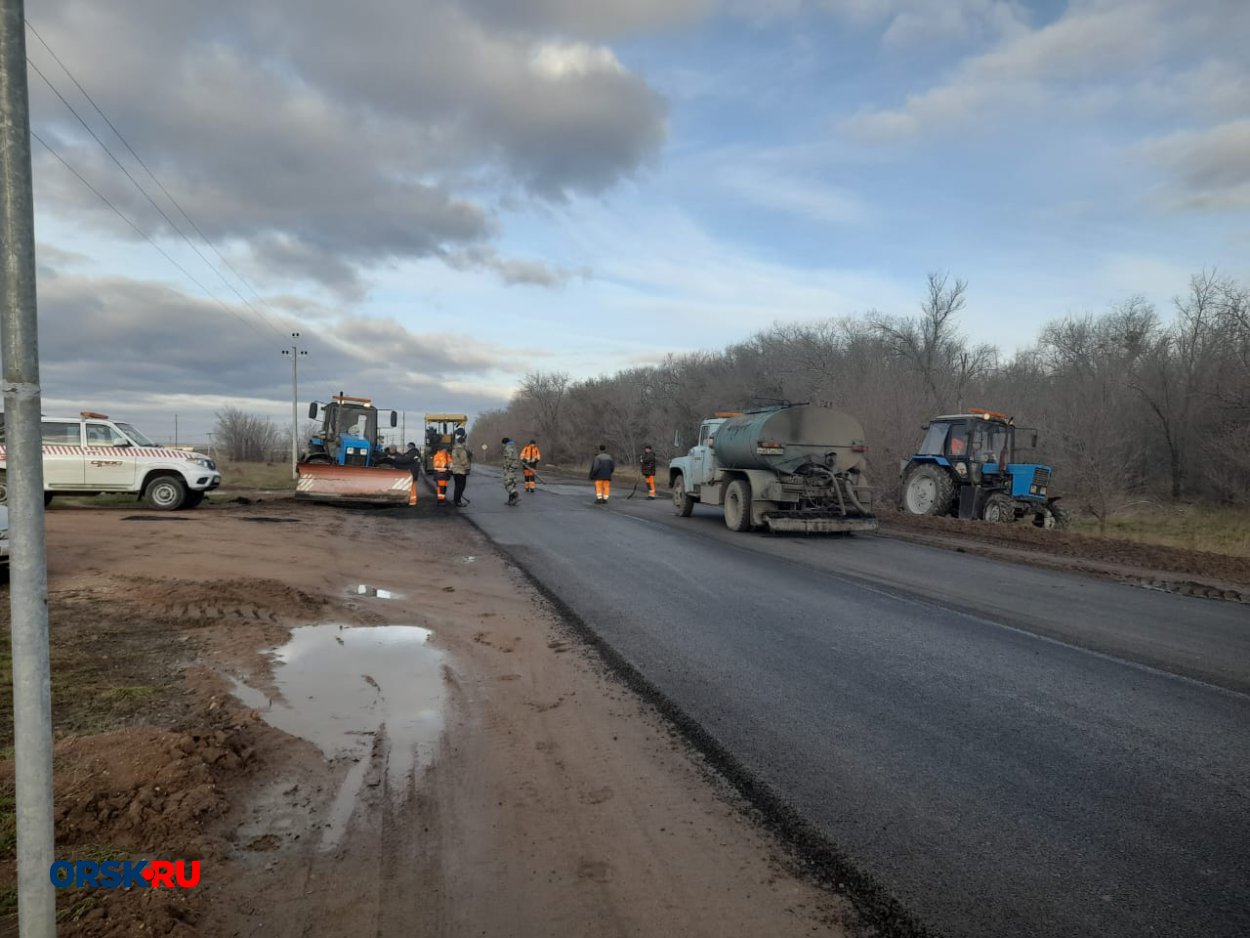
x=441, y=196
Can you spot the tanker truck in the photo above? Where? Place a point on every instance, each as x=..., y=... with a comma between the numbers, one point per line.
x=792, y=468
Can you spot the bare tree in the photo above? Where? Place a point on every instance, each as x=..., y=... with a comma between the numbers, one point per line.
x=932, y=345
x=545, y=391
x=247, y=437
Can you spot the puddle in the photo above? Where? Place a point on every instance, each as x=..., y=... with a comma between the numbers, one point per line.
x=365, y=590
x=343, y=688
x=468, y=560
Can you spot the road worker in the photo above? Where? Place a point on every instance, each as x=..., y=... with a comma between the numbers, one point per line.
x=442, y=473
x=410, y=459
x=601, y=468
x=511, y=462
x=530, y=457
x=461, y=465
x=646, y=463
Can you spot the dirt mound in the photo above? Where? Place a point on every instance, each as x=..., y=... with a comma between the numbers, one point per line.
x=193, y=603
x=145, y=793
x=1192, y=571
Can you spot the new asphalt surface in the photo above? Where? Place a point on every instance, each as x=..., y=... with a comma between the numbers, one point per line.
x=1002, y=750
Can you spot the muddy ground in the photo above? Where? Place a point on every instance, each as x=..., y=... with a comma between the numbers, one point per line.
x=486, y=777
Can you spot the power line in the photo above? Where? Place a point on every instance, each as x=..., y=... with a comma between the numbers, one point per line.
x=146, y=195
x=140, y=161
x=143, y=234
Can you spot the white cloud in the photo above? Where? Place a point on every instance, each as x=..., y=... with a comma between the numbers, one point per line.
x=1209, y=169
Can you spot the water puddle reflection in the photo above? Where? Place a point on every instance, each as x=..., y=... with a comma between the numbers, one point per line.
x=372, y=695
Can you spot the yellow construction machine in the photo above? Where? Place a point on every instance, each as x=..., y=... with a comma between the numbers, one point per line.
x=442, y=430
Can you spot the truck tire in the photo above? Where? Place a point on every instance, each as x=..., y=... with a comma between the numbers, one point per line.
x=683, y=504
x=165, y=493
x=929, y=490
x=194, y=499
x=999, y=509
x=738, y=505
x=4, y=487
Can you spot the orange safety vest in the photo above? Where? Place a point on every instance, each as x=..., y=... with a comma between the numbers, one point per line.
x=442, y=460
x=531, y=453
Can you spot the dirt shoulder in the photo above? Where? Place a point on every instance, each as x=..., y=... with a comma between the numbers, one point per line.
x=1191, y=572
x=552, y=802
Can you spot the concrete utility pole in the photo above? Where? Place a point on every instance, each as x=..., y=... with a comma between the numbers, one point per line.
x=28, y=570
x=295, y=353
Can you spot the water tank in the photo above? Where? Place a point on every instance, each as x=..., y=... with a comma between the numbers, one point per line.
x=783, y=438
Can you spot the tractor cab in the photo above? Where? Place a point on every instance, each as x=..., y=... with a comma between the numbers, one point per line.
x=349, y=432
x=966, y=466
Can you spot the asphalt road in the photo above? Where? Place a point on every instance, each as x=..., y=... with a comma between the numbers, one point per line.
x=1006, y=751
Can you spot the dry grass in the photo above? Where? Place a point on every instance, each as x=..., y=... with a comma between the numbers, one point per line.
x=1216, y=530
x=255, y=476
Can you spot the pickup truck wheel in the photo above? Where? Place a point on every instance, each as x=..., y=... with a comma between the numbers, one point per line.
x=194, y=499
x=4, y=487
x=165, y=493
x=47, y=499
x=738, y=505
x=683, y=504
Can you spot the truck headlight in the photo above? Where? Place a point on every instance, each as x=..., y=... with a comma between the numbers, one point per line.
x=204, y=463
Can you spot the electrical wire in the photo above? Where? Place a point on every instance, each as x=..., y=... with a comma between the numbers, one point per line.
x=151, y=201
x=138, y=159
x=143, y=234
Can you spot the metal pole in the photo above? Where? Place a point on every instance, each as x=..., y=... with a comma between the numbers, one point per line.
x=295, y=353
x=28, y=571
x=175, y=431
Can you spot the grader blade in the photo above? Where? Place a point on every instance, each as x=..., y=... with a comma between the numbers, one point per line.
x=378, y=484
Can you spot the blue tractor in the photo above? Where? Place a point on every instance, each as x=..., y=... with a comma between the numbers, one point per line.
x=345, y=460
x=966, y=467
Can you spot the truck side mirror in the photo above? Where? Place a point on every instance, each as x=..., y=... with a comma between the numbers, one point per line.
x=312, y=411
x=394, y=419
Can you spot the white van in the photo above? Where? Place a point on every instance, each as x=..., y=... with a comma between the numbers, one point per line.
x=93, y=455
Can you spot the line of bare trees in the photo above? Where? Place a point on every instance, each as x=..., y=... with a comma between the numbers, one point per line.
x=1130, y=406
x=244, y=437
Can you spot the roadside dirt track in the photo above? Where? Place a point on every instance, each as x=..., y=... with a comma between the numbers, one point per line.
x=553, y=802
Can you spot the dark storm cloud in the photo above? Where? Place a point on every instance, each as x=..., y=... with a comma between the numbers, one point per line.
x=104, y=334
x=334, y=137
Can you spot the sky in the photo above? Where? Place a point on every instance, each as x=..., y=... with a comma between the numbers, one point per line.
x=443, y=196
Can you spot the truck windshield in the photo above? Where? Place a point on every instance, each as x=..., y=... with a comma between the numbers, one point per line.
x=137, y=438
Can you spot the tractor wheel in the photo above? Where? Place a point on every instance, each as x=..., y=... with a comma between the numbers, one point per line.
x=1054, y=516
x=929, y=490
x=319, y=459
x=683, y=504
x=999, y=509
x=738, y=505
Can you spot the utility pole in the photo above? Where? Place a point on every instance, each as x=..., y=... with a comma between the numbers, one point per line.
x=175, y=431
x=28, y=569
x=210, y=445
x=295, y=352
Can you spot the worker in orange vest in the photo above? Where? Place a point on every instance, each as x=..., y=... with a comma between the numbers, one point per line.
x=442, y=473
x=530, y=457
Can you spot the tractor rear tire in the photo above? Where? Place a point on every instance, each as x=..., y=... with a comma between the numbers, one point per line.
x=738, y=505
x=999, y=509
x=929, y=490
x=683, y=504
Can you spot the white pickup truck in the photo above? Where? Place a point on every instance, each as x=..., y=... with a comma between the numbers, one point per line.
x=93, y=455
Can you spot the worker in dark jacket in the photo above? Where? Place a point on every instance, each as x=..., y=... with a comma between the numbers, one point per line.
x=601, y=469
x=410, y=460
x=646, y=463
